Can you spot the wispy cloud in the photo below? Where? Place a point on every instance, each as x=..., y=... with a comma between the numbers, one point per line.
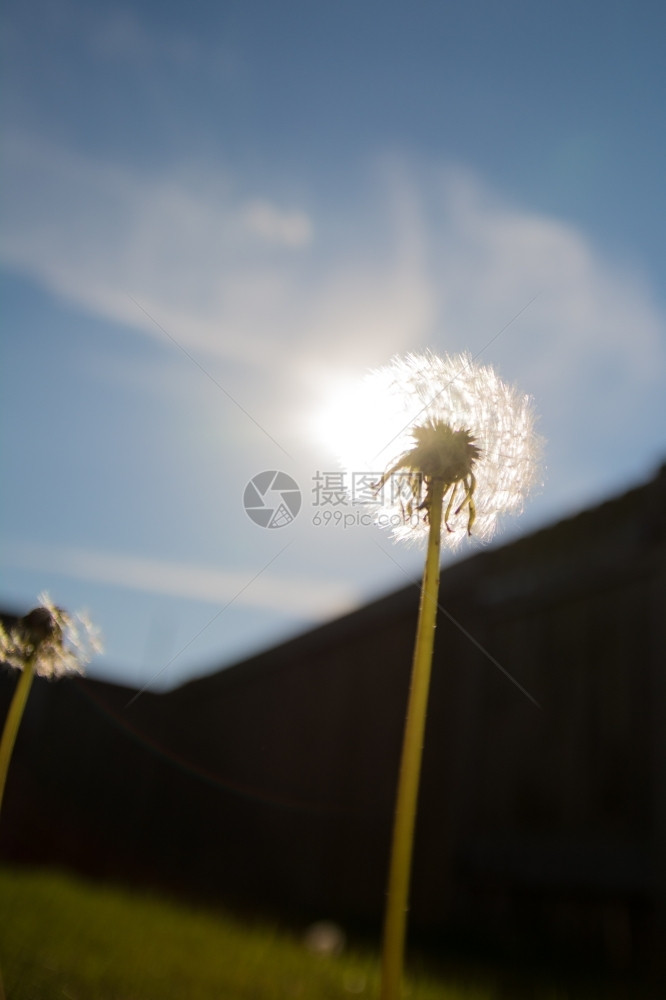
x=591, y=304
x=298, y=597
x=291, y=229
x=436, y=254
x=215, y=267
x=296, y=296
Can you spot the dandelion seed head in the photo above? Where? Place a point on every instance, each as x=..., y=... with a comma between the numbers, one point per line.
x=419, y=409
x=60, y=643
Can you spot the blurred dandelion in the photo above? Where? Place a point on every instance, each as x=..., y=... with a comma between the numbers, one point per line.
x=50, y=643
x=325, y=938
x=458, y=449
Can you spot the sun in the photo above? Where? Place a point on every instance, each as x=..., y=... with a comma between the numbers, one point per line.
x=335, y=419
x=356, y=424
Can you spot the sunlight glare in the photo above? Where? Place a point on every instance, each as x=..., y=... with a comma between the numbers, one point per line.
x=356, y=424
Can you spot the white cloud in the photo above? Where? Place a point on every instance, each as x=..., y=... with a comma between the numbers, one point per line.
x=437, y=255
x=495, y=257
x=301, y=598
x=299, y=298
x=291, y=229
x=213, y=267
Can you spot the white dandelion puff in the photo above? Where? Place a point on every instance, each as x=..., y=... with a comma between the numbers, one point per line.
x=58, y=643
x=422, y=417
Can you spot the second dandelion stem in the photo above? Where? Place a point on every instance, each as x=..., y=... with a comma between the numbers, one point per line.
x=13, y=721
x=395, y=922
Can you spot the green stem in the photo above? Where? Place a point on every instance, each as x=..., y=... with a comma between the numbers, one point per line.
x=395, y=922
x=13, y=721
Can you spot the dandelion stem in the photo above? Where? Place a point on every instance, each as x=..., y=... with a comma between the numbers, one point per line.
x=13, y=720
x=395, y=922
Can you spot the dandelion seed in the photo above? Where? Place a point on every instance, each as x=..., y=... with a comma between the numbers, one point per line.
x=58, y=642
x=423, y=418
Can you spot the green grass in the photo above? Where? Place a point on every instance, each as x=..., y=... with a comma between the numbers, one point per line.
x=62, y=938
x=65, y=939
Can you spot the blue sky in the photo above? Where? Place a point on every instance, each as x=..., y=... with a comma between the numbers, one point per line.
x=217, y=215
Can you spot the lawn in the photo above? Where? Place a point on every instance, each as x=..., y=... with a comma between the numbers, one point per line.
x=66, y=939
x=62, y=938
